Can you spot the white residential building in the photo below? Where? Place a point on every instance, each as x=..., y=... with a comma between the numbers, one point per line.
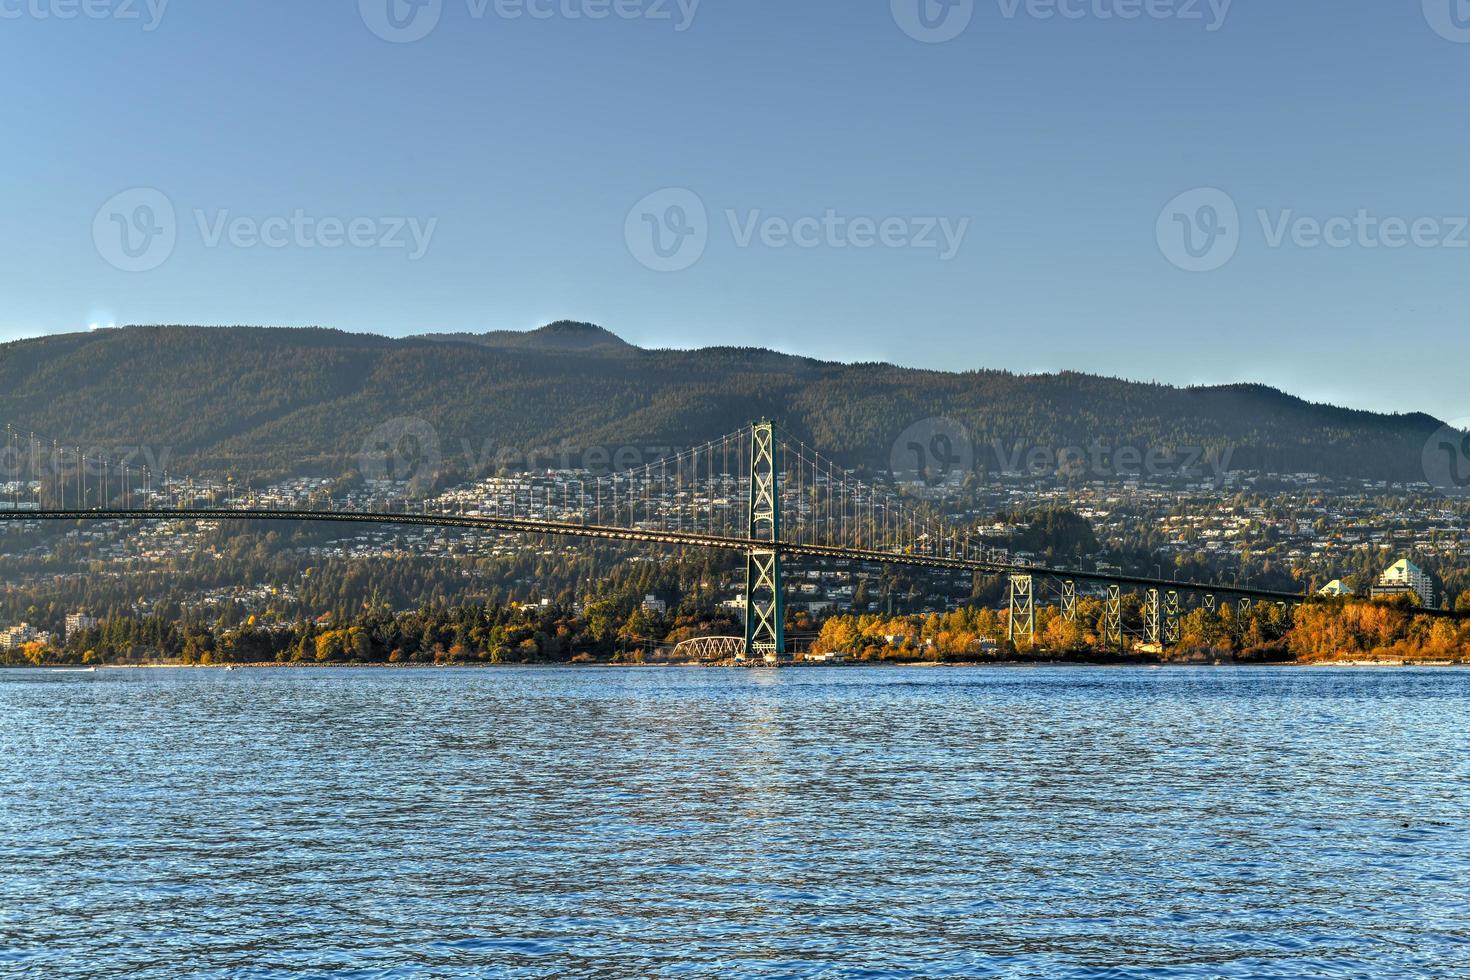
x=78, y=623
x=14, y=636
x=1405, y=576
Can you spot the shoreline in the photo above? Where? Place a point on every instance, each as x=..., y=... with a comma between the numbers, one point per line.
x=916, y=665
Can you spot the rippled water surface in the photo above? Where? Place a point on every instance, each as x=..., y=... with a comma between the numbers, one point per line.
x=811, y=822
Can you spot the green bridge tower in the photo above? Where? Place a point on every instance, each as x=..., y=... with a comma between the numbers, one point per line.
x=765, y=607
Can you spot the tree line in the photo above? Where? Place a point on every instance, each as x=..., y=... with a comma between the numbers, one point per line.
x=622, y=629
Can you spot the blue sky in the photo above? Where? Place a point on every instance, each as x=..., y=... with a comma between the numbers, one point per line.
x=834, y=179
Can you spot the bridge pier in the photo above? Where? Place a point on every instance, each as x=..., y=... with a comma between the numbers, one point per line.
x=1069, y=601
x=765, y=609
x=1152, y=631
x=1171, y=620
x=1023, y=609
x=1113, y=624
x=765, y=604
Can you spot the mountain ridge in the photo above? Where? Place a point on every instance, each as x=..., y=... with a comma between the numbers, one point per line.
x=279, y=399
x=560, y=335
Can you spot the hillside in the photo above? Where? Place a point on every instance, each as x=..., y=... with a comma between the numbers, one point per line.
x=263, y=401
x=564, y=335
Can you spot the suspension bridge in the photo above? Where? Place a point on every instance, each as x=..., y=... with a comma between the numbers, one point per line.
x=757, y=492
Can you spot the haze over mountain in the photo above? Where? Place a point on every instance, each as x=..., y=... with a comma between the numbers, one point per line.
x=264, y=401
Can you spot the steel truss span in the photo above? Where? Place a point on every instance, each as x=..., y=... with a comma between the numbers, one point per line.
x=712, y=648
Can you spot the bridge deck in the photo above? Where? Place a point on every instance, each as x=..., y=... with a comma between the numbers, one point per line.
x=677, y=538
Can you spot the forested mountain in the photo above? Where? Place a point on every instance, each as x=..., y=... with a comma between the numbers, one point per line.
x=562, y=335
x=268, y=401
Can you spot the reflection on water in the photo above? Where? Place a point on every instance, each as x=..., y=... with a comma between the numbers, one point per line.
x=837, y=822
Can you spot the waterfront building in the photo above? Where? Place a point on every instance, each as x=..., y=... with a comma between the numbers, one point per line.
x=78, y=622
x=1403, y=576
x=14, y=636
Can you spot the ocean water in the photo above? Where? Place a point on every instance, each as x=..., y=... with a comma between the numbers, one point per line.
x=848, y=822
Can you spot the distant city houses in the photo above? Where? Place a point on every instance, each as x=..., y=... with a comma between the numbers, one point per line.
x=1307, y=530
